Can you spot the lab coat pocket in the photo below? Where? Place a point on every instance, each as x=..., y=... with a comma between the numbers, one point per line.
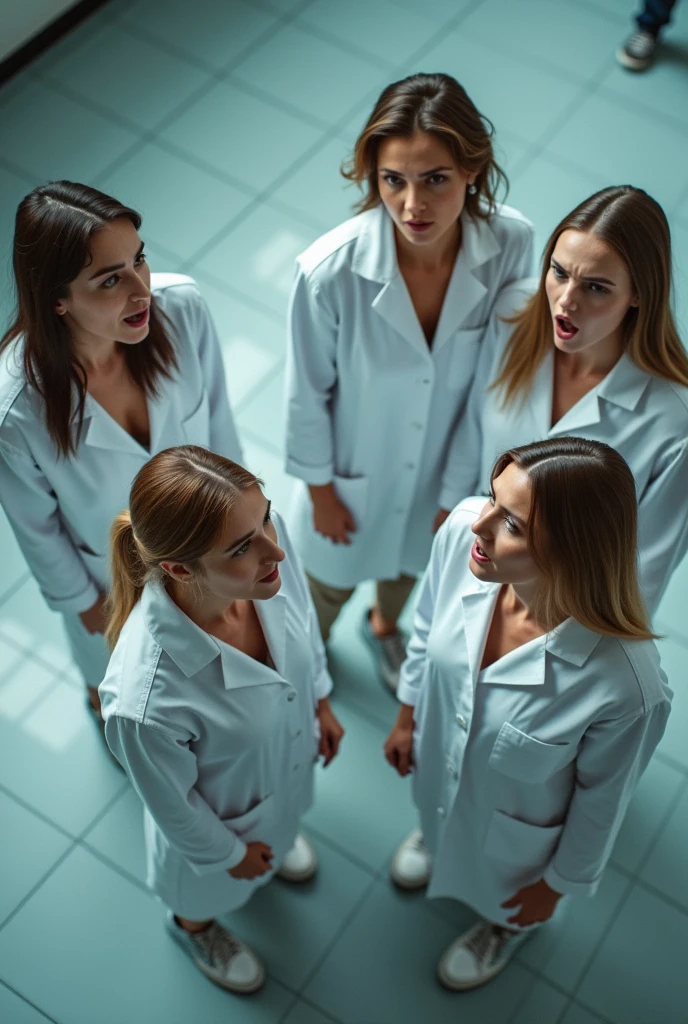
x=525, y=758
x=463, y=357
x=353, y=492
x=197, y=424
x=521, y=844
x=96, y=565
x=256, y=825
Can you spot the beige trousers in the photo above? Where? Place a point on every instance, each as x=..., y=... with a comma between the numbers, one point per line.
x=391, y=596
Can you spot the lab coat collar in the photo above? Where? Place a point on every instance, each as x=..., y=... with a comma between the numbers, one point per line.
x=624, y=384
x=375, y=259
x=189, y=646
x=526, y=665
x=192, y=649
x=102, y=431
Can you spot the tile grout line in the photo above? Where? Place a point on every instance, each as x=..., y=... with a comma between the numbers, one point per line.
x=34, y=889
x=24, y=999
x=38, y=814
x=632, y=881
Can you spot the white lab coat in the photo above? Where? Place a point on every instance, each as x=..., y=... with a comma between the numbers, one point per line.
x=644, y=417
x=220, y=748
x=61, y=509
x=370, y=406
x=523, y=770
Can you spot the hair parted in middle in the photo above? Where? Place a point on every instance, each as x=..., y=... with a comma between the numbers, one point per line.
x=178, y=508
x=437, y=104
x=583, y=535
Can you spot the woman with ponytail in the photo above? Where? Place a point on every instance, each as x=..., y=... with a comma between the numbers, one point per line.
x=215, y=698
x=104, y=364
x=532, y=697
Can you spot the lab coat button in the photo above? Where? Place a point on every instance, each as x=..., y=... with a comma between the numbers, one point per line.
x=440, y=811
x=291, y=696
x=426, y=380
x=462, y=721
x=410, y=465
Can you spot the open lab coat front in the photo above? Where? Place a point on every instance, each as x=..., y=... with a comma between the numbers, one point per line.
x=371, y=407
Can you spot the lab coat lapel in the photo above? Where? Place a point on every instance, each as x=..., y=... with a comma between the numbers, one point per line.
x=160, y=406
x=465, y=291
x=478, y=608
x=394, y=305
x=104, y=432
x=539, y=399
x=273, y=618
x=523, y=667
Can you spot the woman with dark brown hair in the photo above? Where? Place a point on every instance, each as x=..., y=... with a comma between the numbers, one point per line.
x=592, y=349
x=215, y=699
x=532, y=696
x=104, y=365
x=387, y=316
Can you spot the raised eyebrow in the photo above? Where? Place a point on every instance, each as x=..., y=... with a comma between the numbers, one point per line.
x=592, y=280
x=115, y=266
x=506, y=510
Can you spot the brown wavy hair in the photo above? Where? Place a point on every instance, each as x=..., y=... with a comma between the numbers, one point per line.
x=583, y=535
x=436, y=104
x=178, y=508
x=635, y=226
x=53, y=230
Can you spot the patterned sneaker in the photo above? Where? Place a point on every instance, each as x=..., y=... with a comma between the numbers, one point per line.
x=412, y=864
x=478, y=955
x=638, y=50
x=390, y=652
x=300, y=863
x=221, y=957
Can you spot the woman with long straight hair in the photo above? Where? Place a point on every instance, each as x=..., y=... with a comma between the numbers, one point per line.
x=387, y=316
x=532, y=697
x=104, y=365
x=215, y=698
x=591, y=349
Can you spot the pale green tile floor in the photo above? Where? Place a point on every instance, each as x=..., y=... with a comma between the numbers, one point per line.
x=225, y=121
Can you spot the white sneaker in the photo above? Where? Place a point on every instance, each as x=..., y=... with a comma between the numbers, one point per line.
x=412, y=863
x=222, y=958
x=478, y=955
x=300, y=863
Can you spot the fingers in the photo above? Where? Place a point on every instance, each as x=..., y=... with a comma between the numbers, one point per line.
x=515, y=901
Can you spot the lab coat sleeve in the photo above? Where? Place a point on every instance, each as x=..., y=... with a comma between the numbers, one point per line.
x=411, y=675
x=311, y=376
x=163, y=771
x=32, y=509
x=665, y=501
x=223, y=433
x=613, y=756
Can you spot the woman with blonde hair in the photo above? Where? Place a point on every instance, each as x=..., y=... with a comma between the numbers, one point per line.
x=215, y=698
x=104, y=365
x=532, y=697
x=387, y=316
x=591, y=349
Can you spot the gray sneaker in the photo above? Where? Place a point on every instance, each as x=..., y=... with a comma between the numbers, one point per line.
x=221, y=957
x=478, y=955
x=390, y=651
x=638, y=50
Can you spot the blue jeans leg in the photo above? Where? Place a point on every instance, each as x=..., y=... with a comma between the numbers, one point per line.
x=655, y=15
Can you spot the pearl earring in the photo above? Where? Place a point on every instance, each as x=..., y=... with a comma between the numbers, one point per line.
x=472, y=190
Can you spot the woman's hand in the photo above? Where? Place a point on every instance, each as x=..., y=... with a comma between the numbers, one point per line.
x=94, y=618
x=331, y=732
x=398, y=747
x=439, y=519
x=537, y=903
x=257, y=862
x=331, y=517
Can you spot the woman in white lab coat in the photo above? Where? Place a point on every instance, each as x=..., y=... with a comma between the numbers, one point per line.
x=592, y=350
x=532, y=697
x=387, y=316
x=104, y=365
x=215, y=698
